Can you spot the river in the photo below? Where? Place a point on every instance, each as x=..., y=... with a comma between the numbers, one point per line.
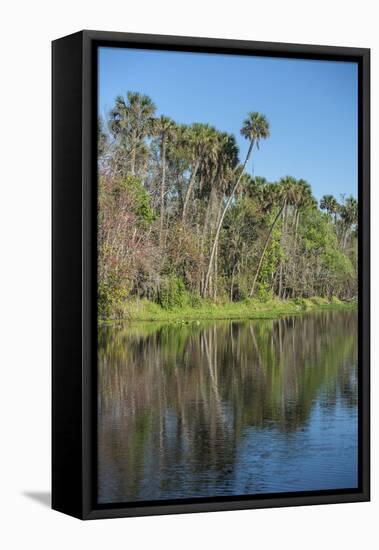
x=220, y=408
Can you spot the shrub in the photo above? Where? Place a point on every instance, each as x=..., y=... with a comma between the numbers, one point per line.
x=111, y=299
x=195, y=300
x=139, y=197
x=172, y=292
x=263, y=292
x=300, y=302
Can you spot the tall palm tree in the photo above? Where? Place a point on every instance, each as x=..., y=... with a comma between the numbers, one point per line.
x=330, y=204
x=214, y=180
x=226, y=161
x=253, y=187
x=303, y=199
x=281, y=194
x=255, y=128
x=289, y=191
x=349, y=216
x=217, y=170
x=165, y=129
x=200, y=141
x=130, y=123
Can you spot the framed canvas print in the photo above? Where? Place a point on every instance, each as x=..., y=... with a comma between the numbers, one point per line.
x=210, y=275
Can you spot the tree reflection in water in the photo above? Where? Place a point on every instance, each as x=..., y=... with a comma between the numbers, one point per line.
x=220, y=408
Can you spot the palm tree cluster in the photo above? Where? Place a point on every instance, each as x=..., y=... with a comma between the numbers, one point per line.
x=179, y=215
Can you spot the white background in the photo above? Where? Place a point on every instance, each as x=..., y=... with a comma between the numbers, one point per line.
x=26, y=31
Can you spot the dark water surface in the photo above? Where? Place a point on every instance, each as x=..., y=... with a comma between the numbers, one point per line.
x=227, y=407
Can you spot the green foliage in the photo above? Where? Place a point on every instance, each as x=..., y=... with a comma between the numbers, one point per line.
x=179, y=218
x=317, y=233
x=337, y=264
x=263, y=292
x=194, y=300
x=112, y=297
x=301, y=302
x=269, y=265
x=144, y=310
x=140, y=199
x=172, y=292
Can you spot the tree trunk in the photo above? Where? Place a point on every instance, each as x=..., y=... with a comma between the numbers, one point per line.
x=296, y=226
x=191, y=185
x=345, y=239
x=264, y=250
x=232, y=282
x=205, y=232
x=133, y=155
x=215, y=274
x=284, y=231
x=163, y=185
x=215, y=266
x=280, y=279
x=228, y=203
x=297, y=216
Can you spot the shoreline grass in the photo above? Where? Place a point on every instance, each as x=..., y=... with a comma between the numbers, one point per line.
x=143, y=310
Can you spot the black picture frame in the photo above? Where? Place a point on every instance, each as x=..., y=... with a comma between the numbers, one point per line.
x=74, y=319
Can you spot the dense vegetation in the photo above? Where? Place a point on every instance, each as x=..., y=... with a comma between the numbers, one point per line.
x=181, y=222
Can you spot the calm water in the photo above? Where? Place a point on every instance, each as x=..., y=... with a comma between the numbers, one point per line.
x=227, y=407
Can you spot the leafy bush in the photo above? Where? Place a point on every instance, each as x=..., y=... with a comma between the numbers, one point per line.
x=140, y=198
x=300, y=302
x=112, y=299
x=172, y=292
x=195, y=300
x=263, y=292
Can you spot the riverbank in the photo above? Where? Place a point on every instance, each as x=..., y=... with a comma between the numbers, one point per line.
x=143, y=310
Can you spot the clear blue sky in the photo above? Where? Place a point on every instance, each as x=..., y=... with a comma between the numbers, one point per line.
x=311, y=106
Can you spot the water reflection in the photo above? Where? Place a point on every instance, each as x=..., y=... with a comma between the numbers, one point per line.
x=227, y=407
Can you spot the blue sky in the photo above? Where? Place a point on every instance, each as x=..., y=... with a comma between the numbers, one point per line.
x=311, y=106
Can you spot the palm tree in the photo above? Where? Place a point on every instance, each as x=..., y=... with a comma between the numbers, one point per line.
x=253, y=187
x=281, y=194
x=130, y=123
x=255, y=128
x=200, y=141
x=165, y=129
x=349, y=216
x=214, y=180
x=330, y=204
x=289, y=191
x=225, y=164
x=303, y=198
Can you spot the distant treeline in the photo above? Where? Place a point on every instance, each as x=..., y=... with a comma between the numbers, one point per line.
x=180, y=220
